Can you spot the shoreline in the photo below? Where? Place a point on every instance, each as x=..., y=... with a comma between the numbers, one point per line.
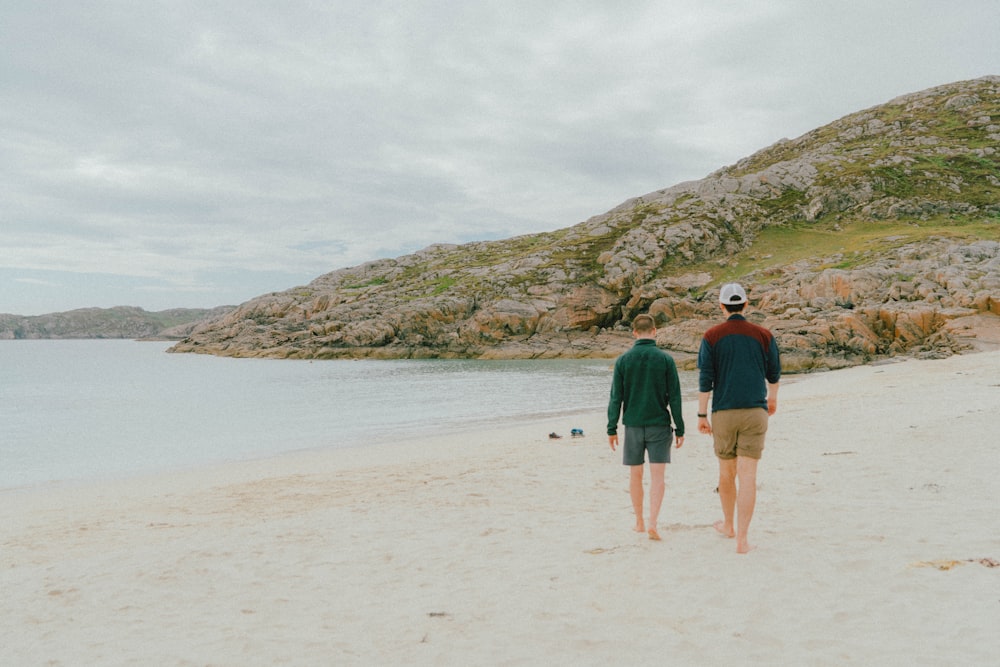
x=70, y=423
x=415, y=439
x=505, y=547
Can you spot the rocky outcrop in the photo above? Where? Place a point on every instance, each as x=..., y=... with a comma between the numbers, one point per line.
x=932, y=298
x=875, y=235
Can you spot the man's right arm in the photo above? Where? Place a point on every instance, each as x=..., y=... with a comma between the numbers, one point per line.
x=706, y=383
x=615, y=402
x=706, y=369
x=704, y=426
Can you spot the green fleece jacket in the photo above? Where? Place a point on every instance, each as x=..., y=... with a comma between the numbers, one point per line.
x=645, y=382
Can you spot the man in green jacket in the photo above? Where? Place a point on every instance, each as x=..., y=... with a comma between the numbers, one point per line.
x=646, y=384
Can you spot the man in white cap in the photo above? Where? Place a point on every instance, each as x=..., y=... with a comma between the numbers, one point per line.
x=739, y=368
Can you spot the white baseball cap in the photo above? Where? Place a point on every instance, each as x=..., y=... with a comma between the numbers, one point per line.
x=732, y=293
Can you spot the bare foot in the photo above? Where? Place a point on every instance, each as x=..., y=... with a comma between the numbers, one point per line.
x=721, y=527
x=744, y=547
x=653, y=535
x=640, y=527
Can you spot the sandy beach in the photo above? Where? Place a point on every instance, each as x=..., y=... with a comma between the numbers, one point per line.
x=876, y=530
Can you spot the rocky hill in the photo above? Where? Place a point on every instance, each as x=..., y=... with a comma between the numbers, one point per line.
x=119, y=322
x=875, y=235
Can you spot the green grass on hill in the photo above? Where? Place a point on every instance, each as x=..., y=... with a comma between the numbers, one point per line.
x=849, y=245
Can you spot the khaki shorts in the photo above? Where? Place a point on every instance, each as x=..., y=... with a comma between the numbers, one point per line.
x=739, y=432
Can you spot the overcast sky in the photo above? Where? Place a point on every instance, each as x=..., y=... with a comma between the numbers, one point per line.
x=194, y=154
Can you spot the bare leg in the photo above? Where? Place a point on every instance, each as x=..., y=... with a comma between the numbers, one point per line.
x=727, y=496
x=746, y=499
x=656, y=491
x=635, y=490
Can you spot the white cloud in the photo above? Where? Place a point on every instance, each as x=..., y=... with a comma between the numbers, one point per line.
x=35, y=281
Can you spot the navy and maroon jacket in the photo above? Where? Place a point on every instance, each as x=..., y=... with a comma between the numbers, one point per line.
x=735, y=360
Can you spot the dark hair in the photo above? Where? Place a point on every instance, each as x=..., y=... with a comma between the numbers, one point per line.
x=734, y=307
x=643, y=324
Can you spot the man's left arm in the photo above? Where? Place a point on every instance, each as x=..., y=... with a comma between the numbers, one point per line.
x=674, y=396
x=772, y=397
x=773, y=376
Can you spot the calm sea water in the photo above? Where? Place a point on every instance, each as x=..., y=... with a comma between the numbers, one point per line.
x=75, y=410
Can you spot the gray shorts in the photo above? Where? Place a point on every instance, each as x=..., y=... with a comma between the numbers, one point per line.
x=739, y=432
x=641, y=439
